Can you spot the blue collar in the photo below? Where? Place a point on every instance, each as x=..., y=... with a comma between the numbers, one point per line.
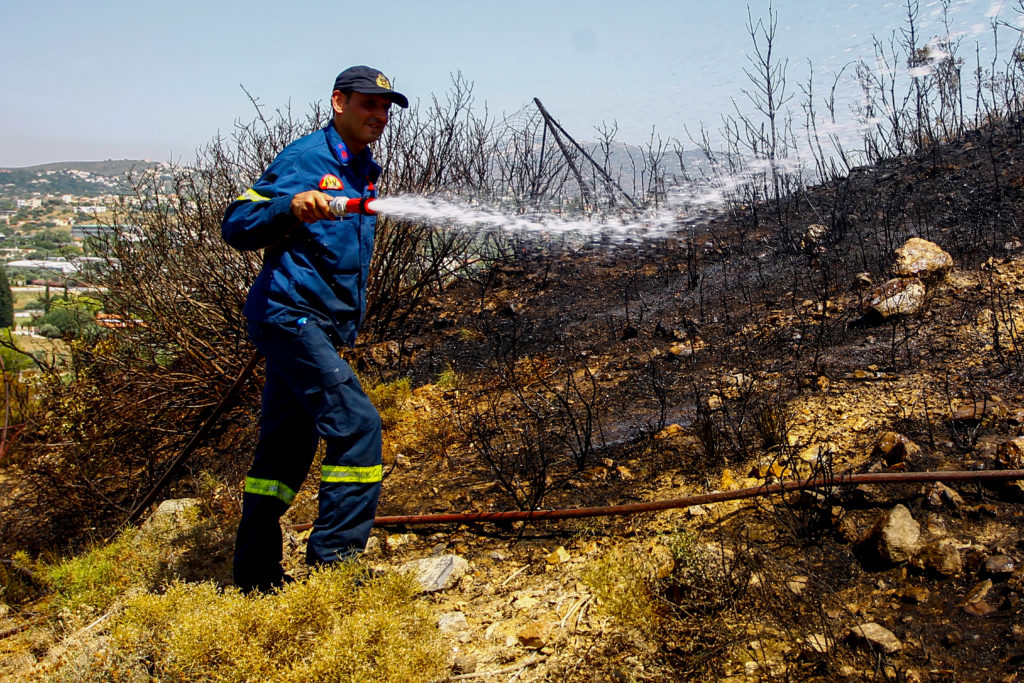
x=363, y=160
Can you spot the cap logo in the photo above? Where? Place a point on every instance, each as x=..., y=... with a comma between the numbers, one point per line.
x=331, y=182
x=383, y=82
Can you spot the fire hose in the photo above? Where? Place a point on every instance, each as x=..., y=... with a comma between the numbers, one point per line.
x=698, y=499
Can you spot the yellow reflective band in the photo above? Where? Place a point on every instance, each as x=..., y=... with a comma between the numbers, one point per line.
x=252, y=195
x=351, y=475
x=269, y=487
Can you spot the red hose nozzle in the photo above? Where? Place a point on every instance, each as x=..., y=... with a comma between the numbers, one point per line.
x=341, y=205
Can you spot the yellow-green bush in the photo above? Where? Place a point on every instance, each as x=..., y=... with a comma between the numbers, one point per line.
x=164, y=549
x=328, y=628
x=390, y=399
x=623, y=581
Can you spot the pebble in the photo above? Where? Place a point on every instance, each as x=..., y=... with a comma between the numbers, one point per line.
x=939, y=495
x=878, y=636
x=558, y=556
x=534, y=636
x=915, y=595
x=797, y=584
x=452, y=621
x=976, y=604
x=466, y=664
x=1000, y=566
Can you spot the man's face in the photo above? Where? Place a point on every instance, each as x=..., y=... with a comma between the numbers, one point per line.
x=360, y=118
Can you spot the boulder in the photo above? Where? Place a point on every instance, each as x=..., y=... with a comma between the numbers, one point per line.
x=919, y=258
x=895, y=536
x=899, y=296
x=894, y=448
x=941, y=557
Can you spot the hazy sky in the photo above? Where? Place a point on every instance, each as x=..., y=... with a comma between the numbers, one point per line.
x=142, y=79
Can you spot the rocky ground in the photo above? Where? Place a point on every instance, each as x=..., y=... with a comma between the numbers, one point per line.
x=877, y=318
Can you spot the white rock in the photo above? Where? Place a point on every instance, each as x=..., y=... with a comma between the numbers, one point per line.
x=899, y=296
x=175, y=509
x=452, y=621
x=895, y=536
x=437, y=573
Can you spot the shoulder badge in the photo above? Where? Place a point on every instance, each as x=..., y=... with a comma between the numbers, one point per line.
x=331, y=182
x=383, y=82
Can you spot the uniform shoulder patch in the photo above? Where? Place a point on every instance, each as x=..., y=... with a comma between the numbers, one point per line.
x=331, y=182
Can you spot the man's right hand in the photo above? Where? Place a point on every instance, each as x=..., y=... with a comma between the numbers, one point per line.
x=312, y=206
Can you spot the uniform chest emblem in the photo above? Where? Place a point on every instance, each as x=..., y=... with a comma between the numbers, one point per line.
x=331, y=182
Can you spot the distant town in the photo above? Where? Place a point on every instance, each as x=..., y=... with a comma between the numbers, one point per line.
x=51, y=214
x=52, y=219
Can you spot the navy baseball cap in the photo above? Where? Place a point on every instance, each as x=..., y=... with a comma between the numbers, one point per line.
x=370, y=81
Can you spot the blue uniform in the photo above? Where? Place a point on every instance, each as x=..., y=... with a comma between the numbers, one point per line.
x=309, y=298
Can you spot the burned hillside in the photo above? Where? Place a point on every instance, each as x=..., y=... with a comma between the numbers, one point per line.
x=868, y=321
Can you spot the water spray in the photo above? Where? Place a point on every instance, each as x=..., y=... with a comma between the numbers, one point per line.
x=340, y=206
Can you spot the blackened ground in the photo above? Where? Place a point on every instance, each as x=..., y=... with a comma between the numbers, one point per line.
x=776, y=329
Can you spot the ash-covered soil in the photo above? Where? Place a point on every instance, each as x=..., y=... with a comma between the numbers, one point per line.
x=687, y=351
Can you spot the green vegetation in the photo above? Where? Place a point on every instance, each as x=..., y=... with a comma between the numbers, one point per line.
x=67, y=322
x=139, y=559
x=6, y=301
x=625, y=585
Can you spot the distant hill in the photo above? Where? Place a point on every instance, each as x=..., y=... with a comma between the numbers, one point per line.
x=80, y=178
x=110, y=167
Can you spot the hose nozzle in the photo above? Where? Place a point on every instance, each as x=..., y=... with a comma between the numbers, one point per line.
x=340, y=206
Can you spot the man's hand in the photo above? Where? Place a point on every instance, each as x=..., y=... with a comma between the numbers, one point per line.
x=312, y=206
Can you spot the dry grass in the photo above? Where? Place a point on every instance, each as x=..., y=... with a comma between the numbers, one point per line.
x=122, y=612
x=327, y=628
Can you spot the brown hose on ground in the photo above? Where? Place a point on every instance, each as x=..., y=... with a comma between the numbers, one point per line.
x=699, y=499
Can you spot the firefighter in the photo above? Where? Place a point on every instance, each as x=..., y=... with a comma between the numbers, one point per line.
x=309, y=300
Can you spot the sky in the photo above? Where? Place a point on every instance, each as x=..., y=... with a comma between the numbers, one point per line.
x=116, y=79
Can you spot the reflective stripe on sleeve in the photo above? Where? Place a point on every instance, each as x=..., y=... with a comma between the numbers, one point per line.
x=351, y=475
x=269, y=487
x=252, y=195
